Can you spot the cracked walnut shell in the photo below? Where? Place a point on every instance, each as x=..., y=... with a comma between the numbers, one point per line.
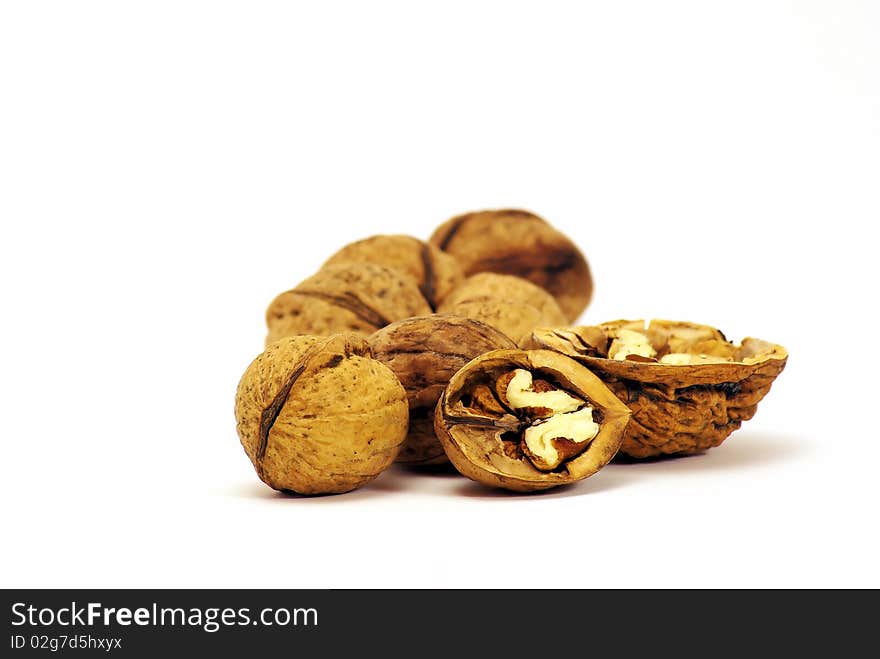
x=516, y=242
x=511, y=304
x=528, y=420
x=424, y=353
x=687, y=386
x=435, y=271
x=320, y=415
x=347, y=297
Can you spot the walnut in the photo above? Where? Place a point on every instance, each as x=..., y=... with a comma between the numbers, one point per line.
x=435, y=271
x=511, y=304
x=490, y=285
x=349, y=297
x=687, y=386
x=528, y=420
x=319, y=415
x=516, y=242
x=424, y=352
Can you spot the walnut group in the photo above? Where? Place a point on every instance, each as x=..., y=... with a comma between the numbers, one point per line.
x=465, y=349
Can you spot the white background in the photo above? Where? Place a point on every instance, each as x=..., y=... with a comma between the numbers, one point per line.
x=166, y=168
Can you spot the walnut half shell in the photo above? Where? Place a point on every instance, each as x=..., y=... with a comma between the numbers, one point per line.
x=528, y=420
x=687, y=386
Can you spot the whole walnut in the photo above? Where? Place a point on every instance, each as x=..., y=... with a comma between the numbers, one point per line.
x=424, y=353
x=510, y=304
x=349, y=297
x=688, y=387
x=507, y=288
x=435, y=271
x=517, y=242
x=319, y=415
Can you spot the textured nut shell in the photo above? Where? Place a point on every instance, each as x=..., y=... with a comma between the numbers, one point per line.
x=349, y=297
x=677, y=409
x=490, y=285
x=435, y=271
x=476, y=450
x=424, y=353
x=514, y=318
x=319, y=415
x=516, y=242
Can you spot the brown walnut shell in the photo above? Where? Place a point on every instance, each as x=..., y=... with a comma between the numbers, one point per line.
x=511, y=304
x=424, y=353
x=482, y=437
x=490, y=285
x=678, y=409
x=348, y=297
x=435, y=271
x=513, y=318
x=517, y=242
x=320, y=415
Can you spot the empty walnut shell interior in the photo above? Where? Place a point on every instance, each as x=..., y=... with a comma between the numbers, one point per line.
x=688, y=387
x=483, y=429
